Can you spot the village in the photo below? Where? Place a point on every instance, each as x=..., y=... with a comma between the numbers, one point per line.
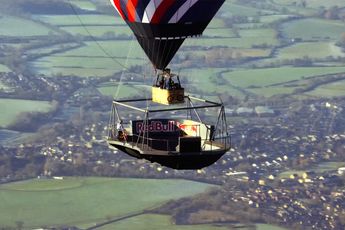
x=275, y=164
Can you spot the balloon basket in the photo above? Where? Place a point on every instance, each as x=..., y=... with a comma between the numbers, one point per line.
x=167, y=96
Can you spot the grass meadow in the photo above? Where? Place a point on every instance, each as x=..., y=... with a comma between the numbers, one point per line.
x=329, y=90
x=74, y=20
x=269, y=76
x=241, y=42
x=231, y=9
x=95, y=59
x=209, y=82
x=273, y=18
x=84, y=4
x=85, y=201
x=119, y=49
x=313, y=29
x=104, y=58
x=20, y=27
x=10, y=108
x=156, y=222
x=271, y=91
x=321, y=168
x=3, y=69
x=97, y=31
x=317, y=50
x=125, y=90
x=314, y=3
x=47, y=50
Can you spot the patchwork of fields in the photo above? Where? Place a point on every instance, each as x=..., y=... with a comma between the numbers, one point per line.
x=258, y=46
x=313, y=29
x=253, y=39
x=85, y=201
x=19, y=27
x=109, y=47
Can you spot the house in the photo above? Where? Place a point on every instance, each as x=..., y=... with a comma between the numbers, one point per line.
x=263, y=111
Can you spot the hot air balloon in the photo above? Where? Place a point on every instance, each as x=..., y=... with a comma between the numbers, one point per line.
x=161, y=26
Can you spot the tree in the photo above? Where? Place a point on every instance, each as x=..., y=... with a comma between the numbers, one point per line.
x=342, y=40
x=19, y=224
x=332, y=13
x=304, y=3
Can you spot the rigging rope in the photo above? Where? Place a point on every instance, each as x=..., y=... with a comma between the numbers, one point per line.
x=123, y=72
x=93, y=38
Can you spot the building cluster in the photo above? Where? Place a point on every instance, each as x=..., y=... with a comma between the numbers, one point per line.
x=268, y=144
x=310, y=201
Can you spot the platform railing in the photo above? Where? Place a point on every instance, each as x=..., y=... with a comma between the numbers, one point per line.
x=146, y=143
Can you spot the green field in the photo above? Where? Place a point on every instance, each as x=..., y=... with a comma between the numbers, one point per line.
x=263, y=21
x=219, y=32
x=10, y=108
x=225, y=53
x=335, y=89
x=329, y=166
x=271, y=91
x=321, y=168
x=248, y=38
x=49, y=49
x=80, y=71
x=155, y=222
x=243, y=42
x=205, y=79
x=77, y=66
x=268, y=227
x=158, y=222
x=125, y=90
x=273, y=18
x=95, y=59
x=217, y=23
x=314, y=29
x=269, y=76
x=230, y=9
x=18, y=27
x=85, y=201
x=314, y=3
x=317, y=50
x=84, y=4
x=208, y=81
x=265, y=34
x=97, y=31
x=121, y=49
x=73, y=20
x=4, y=69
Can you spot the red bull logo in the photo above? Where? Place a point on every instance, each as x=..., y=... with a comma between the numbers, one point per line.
x=156, y=126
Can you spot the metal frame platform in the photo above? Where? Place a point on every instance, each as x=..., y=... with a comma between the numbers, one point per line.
x=213, y=144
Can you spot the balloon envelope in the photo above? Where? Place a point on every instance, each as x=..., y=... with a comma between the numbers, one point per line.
x=161, y=26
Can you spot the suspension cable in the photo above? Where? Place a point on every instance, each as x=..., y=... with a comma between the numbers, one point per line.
x=93, y=38
x=117, y=92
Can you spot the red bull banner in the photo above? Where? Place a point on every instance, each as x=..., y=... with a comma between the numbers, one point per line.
x=155, y=126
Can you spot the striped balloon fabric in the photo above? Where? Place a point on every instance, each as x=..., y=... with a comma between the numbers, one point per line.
x=161, y=26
